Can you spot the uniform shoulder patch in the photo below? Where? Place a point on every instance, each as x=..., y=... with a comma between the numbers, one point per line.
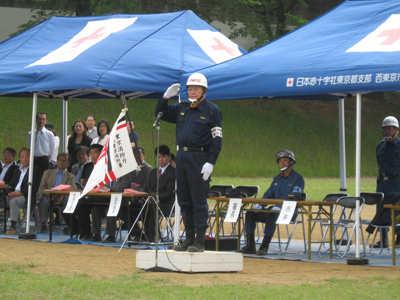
x=182, y=113
x=203, y=118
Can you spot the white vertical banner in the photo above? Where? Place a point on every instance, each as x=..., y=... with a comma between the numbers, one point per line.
x=72, y=202
x=233, y=210
x=287, y=212
x=115, y=204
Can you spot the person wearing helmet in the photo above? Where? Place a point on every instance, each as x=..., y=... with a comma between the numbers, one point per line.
x=388, y=159
x=283, y=186
x=199, y=138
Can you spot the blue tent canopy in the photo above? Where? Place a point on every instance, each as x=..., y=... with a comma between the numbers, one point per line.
x=103, y=56
x=352, y=48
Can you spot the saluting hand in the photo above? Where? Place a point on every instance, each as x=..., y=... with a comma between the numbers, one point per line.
x=172, y=91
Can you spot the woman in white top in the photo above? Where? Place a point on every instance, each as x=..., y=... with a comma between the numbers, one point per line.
x=50, y=127
x=103, y=130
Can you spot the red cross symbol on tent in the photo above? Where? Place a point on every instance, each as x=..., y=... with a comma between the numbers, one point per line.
x=95, y=35
x=221, y=46
x=392, y=36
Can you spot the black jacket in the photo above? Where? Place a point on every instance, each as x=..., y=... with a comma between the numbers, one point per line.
x=9, y=175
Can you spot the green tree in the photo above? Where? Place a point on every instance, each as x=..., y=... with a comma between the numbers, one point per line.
x=264, y=20
x=45, y=9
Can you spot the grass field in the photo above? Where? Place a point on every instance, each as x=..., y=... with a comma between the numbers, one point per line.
x=17, y=282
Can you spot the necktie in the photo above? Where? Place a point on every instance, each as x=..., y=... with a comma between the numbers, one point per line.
x=159, y=173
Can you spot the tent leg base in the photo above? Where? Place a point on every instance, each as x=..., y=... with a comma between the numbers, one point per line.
x=357, y=261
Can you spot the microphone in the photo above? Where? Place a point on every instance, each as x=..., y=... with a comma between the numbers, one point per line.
x=159, y=116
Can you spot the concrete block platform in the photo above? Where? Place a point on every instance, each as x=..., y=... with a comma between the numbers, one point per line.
x=192, y=262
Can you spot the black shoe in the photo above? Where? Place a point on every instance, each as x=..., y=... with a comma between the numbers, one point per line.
x=250, y=247
x=86, y=237
x=109, y=239
x=190, y=236
x=263, y=250
x=198, y=245
x=43, y=228
x=96, y=238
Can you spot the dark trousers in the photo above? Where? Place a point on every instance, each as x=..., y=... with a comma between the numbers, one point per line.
x=269, y=218
x=192, y=189
x=42, y=162
x=383, y=215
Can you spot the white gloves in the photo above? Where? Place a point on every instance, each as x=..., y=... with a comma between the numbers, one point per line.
x=207, y=170
x=172, y=90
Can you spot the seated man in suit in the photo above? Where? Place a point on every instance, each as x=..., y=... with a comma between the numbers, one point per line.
x=139, y=178
x=52, y=178
x=166, y=174
x=18, y=197
x=82, y=154
x=83, y=210
x=100, y=211
x=287, y=183
x=7, y=170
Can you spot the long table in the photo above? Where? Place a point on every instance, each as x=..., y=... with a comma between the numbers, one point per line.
x=324, y=207
x=395, y=220
x=127, y=200
x=3, y=189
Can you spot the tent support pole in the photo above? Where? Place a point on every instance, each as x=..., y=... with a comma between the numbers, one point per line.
x=342, y=146
x=28, y=235
x=64, y=142
x=357, y=259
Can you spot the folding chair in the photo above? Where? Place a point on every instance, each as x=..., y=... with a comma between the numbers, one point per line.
x=322, y=220
x=216, y=191
x=166, y=225
x=23, y=221
x=247, y=191
x=297, y=218
x=374, y=199
x=345, y=223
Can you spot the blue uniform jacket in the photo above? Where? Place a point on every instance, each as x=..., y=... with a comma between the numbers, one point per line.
x=282, y=186
x=388, y=157
x=194, y=125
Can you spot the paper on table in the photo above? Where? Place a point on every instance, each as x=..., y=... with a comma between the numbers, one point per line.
x=287, y=211
x=62, y=187
x=131, y=191
x=233, y=210
x=72, y=202
x=102, y=189
x=115, y=204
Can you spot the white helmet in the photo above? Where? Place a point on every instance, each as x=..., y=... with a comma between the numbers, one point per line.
x=197, y=79
x=390, y=121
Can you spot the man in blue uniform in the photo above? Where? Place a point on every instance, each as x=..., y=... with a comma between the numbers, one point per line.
x=199, y=137
x=388, y=158
x=287, y=183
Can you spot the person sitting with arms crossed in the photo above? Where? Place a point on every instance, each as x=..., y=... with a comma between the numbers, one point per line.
x=284, y=184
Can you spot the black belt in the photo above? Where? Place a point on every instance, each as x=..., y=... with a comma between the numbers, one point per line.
x=193, y=149
x=387, y=176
